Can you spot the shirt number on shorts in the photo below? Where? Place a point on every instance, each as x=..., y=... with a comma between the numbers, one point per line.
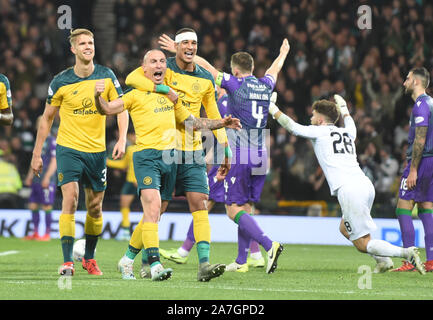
x=403, y=184
x=348, y=227
x=342, y=139
x=104, y=175
x=257, y=113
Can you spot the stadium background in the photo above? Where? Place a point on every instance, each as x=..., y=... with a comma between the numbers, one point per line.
x=329, y=54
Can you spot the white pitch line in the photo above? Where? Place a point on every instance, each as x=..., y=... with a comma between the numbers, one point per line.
x=6, y=253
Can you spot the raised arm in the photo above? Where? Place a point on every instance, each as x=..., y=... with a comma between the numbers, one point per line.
x=278, y=63
x=104, y=107
x=344, y=113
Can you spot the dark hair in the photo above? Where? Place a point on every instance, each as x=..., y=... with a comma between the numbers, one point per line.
x=327, y=108
x=244, y=61
x=424, y=74
x=183, y=30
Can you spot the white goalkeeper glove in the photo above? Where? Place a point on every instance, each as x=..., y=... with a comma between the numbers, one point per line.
x=273, y=109
x=341, y=105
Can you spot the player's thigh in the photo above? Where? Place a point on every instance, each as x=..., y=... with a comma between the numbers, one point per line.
x=168, y=180
x=237, y=185
x=48, y=195
x=147, y=169
x=192, y=174
x=423, y=191
x=69, y=165
x=216, y=188
x=95, y=171
x=356, y=200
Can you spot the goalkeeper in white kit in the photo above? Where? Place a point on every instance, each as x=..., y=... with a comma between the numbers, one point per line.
x=335, y=151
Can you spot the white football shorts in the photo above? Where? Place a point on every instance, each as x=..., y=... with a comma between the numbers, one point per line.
x=356, y=199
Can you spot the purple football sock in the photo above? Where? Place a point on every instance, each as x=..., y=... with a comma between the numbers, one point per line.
x=427, y=222
x=254, y=246
x=407, y=230
x=243, y=245
x=249, y=225
x=48, y=220
x=190, y=240
x=35, y=220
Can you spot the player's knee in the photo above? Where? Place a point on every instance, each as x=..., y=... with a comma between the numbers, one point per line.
x=94, y=208
x=198, y=202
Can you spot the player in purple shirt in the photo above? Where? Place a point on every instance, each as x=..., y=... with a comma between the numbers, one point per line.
x=43, y=190
x=416, y=185
x=248, y=98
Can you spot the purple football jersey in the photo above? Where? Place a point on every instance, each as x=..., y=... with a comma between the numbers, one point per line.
x=248, y=100
x=421, y=116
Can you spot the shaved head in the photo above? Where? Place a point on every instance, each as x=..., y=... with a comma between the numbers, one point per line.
x=151, y=53
x=154, y=65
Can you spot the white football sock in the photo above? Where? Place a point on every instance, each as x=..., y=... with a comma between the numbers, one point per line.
x=182, y=252
x=385, y=249
x=256, y=255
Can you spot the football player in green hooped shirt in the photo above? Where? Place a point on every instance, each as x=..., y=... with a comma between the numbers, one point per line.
x=6, y=114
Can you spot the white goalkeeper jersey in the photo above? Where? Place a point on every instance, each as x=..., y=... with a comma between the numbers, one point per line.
x=335, y=150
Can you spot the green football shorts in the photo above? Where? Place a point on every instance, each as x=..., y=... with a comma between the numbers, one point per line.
x=191, y=173
x=152, y=172
x=88, y=167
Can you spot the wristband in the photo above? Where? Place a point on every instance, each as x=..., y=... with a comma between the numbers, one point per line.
x=162, y=88
x=228, y=152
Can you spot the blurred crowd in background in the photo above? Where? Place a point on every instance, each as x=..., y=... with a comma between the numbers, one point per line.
x=329, y=54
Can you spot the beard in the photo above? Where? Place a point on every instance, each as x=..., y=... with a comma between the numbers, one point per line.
x=408, y=90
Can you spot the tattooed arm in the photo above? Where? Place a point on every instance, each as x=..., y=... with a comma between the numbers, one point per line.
x=418, y=147
x=212, y=124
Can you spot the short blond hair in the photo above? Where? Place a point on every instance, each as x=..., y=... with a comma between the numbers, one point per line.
x=78, y=32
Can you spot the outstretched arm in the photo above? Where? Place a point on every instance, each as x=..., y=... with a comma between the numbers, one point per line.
x=310, y=132
x=213, y=124
x=278, y=63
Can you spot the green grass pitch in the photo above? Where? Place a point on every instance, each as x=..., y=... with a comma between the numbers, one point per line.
x=310, y=272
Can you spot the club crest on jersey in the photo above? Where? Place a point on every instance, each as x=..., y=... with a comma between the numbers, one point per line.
x=162, y=100
x=196, y=88
x=147, y=180
x=60, y=177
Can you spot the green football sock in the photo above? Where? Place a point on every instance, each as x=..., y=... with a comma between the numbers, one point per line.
x=203, y=251
x=132, y=252
x=67, y=248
